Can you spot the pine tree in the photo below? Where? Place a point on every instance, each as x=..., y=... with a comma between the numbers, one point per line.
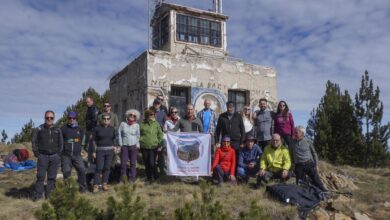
x=334, y=127
x=26, y=134
x=81, y=107
x=369, y=110
x=4, y=136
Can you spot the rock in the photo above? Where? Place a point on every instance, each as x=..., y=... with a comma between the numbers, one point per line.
x=341, y=203
x=341, y=216
x=387, y=204
x=321, y=214
x=361, y=216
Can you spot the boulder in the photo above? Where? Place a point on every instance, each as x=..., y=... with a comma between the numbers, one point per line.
x=341, y=216
x=321, y=214
x=361, y=216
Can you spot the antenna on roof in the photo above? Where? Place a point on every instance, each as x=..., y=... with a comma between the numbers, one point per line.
x=217, y=6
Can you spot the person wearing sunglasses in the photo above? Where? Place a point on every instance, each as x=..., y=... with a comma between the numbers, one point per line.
x=172, y=119
x=151, y=138
x=129, y=135
x=47, y=145
x=71, y=154
x=104, y=141
x=224, y=164
x=284, y=123
x=114, y=122
x=160, y=98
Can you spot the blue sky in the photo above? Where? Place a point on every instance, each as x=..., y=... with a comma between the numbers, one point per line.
x=52, y=51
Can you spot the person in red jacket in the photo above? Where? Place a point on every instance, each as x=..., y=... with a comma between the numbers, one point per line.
x=224, y=164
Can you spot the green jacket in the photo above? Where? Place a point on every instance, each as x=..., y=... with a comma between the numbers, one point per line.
x=151, y=135
x=275, y=160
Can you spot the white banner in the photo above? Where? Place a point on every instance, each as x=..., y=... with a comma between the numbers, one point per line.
x=189, y=154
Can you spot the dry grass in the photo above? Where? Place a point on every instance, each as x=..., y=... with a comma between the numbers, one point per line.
x=374, y=190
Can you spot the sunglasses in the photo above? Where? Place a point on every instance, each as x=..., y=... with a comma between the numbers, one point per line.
x=131, y=115
x=49, y=118
x=71, y=118
x=105, y=106
x=225, y=141
x=174, y=112
x=106, y=119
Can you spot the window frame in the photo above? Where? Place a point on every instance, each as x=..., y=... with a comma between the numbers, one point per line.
x=206, y=32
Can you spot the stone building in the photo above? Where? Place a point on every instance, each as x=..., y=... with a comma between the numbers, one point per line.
x=188, y=63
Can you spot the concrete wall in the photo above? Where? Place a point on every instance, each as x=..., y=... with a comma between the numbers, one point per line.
x=208, y=75
x=128, y=87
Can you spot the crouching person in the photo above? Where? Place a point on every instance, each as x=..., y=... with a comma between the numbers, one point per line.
x=47, y=144
x=275, y=162
x=248, y=160
x=71, y=155
x=104, y=139
x=305, y=159
x=224, y=164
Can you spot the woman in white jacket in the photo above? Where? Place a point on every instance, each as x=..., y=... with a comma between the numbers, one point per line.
x=129, y=135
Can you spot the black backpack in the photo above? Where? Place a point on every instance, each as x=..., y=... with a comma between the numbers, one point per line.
x=305, y=197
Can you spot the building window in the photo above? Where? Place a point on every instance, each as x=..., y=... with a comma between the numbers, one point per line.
x=240, y=99
x=160, y=33
x=179, y=98
x=197, y=30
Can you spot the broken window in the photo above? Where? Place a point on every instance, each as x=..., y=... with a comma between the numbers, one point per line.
x=160, y=33
x=239, y=98
x=197, y=30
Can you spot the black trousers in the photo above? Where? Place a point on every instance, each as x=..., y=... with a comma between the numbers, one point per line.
x=309, y=169
x=67, y=162
x=103, y=165
x=47, y=164
x=272, y=175
x=149, y=158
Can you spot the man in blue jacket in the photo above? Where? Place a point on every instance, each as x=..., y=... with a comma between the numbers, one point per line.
x=248, y=159
x=71, y=154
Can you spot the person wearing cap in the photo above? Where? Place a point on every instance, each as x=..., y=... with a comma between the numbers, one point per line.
x=129, y=134
x=151, y=138
x=230, y=124
x=160, y=113
x=114, y=122
x=47, y=144
x=105, y=139
x=248, y=159
x=71, y=153
x=160, y=98
x=224, y=164
x=275, y=162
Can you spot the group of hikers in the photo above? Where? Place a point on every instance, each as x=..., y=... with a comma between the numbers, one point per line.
x=262, y=144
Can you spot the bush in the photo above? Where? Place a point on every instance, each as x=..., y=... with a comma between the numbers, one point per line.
x=66, y=203
x=203, y=208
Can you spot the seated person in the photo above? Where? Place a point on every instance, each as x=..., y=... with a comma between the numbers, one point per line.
x=224, y=163
x=305, y=158
x=249, y=159
x=275, y=162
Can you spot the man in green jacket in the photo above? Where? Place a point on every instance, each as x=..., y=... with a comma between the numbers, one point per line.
x=151, y=138
x=275, y=162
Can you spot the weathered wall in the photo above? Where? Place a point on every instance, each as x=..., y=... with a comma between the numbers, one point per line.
x=128, y=87
x=212, y=75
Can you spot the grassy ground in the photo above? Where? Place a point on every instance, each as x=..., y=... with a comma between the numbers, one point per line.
x=373, y=192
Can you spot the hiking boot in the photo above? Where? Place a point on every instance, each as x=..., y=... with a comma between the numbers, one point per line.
x=95, y=189
x=105, y=187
